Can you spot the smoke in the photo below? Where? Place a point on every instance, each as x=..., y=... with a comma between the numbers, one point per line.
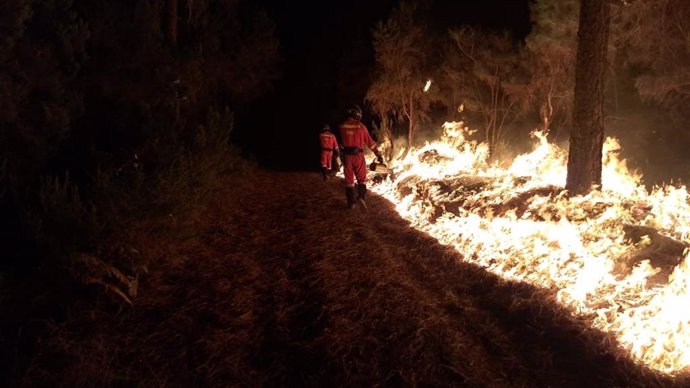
x=652, y=144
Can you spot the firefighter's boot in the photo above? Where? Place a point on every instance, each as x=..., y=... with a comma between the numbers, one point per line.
x=350, y=194
x=362, y=192
x=324, y=172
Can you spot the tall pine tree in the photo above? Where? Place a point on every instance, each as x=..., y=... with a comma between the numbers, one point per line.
x=587, y=136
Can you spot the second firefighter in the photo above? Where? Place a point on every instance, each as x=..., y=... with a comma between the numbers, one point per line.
x=329, y=147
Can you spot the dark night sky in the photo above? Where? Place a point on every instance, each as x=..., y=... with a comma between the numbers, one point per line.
x=317, y=39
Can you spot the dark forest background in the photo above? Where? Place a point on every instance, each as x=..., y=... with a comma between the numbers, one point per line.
x=120, y=119
x=116, y=123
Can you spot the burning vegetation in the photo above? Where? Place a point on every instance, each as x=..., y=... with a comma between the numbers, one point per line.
x=615, y=257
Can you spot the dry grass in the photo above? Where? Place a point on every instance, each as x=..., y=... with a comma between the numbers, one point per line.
x=287, y=287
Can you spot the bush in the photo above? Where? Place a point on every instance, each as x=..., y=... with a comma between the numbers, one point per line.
x=134, y=212
x=61, y=222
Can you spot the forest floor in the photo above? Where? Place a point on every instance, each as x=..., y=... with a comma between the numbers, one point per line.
x=287, y=287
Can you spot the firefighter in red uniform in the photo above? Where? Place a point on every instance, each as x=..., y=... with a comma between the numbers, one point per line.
x=354, y=135
x=329, y=145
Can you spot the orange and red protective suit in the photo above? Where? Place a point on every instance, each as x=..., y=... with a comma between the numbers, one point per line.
x=354, y=136
x=328, y=145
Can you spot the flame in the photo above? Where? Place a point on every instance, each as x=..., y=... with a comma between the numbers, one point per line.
x=450, y=190
x=427, y=86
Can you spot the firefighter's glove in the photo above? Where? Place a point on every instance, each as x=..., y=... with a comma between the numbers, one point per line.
x=379, y=158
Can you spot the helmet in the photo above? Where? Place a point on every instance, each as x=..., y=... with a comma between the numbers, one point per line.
x=355, y=112
x=325, y=128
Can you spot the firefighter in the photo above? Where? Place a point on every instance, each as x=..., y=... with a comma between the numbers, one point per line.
x=329, y=147
x=354, y=135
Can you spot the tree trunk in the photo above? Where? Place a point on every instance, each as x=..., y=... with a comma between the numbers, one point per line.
x=172, y=22
x=587, y=136
x=410, y=138
x=410, y=129
x=388, y=144
x=492, y=130
x=410, y=135
x=546, y=112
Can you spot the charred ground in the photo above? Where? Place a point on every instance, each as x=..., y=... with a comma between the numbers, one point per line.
x=287, y=287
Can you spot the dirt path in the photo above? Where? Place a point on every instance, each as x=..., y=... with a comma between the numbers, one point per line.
x=289, y=288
